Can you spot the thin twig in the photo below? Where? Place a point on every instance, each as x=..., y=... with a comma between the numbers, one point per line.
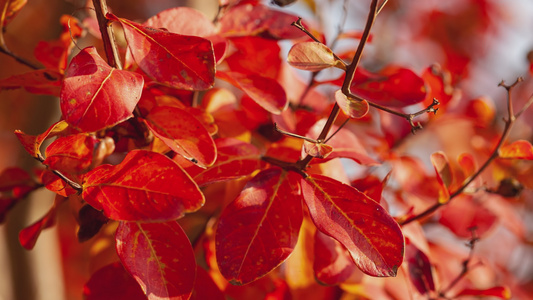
x=108, y=37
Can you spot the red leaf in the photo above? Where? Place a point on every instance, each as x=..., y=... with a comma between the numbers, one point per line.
x=205, y=287
x=318, y=150
x=46, y=82
x=72, y=154
x=264, y=91
x=312, y=56
x=259, y=229
x=179, y=61
x=256, y=19
x=444, y=174
x=95, y=96
x=520, y=149
x=15, y=183
x=467, y=163
x=32, y=143
x=112, y=282
x=28, y=236
x=353, y=108
x=501, y=292
x=183, y=133
x=159, y=256
x=145, y=186
x=255, y=55
x=371, y=186
x=235, y=159
x=370, y=234
x=419, y=269
x=473, y=215
x=333, y=264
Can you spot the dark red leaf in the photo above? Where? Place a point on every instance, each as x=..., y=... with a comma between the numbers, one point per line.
x=159, y=256
x=257, y=19
x=333, y=264
x=419, y=269
x=180, y=61
x=259, y=229
x=15, y=183
x=112, y=282
x=95, y=96
x=183, y=133
x=46, y=82
x=235, y=159
x=90, y=221
x=264, y=91
x=204, y=287
x=145, y=186
x=28, y=236
x=370, y=234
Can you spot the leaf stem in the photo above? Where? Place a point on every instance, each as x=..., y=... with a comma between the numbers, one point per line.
x=495, y=153
x=108, y=37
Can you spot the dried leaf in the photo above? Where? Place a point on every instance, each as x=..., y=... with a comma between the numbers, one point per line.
x=312, y=56
x=353, y=108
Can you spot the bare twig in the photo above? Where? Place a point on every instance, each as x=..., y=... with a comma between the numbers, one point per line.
x=108, y=38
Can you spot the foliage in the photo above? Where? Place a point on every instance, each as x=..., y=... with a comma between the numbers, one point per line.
x=219, y=170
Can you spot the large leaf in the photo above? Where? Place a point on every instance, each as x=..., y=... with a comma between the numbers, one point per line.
x=312, y=56
x=183, y=133
x=145, y=186
x=235, y=159
x=264, y=91
x=370, y=234
x=159, y=256
x=112, y=282
x=180, y=61
x=333, y=264
x=259, y=229
x=95, y=96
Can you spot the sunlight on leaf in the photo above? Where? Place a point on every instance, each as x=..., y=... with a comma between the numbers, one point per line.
x=312, y=56
x=520, y=149
x=444, y=174
x=32, y=143
x=352, y=108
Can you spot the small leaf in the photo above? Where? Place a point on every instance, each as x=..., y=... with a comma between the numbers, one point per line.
x=353, y=108
x=444, y=174
x=318, y=150
x=419, y=269
x=112, y=282
x=183, y=133
x=28, y=236
x=370, y=234
x=179, y=61
x=32, y=144
x=312, y=56
x=520, y=149
x=266, y=92
x=467, y=163
x=259, y=229
x=160, y=258
x=145, y=186
x=501, y=292
x=15, y=184
x=71, y=154
x=95, y=96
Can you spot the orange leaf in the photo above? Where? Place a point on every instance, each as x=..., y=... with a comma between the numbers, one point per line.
x=520, y=149
x=95, y=96
x=179, y=61
x=145, y=186
x=183, y=133
x=360, y=224
x=32, y=143
x=8, y=10
x=352, y=108
x=312, y=56
x=71, y=154
x=501, y=292
x=159, y=256
x=444, y=174
x=259, y=229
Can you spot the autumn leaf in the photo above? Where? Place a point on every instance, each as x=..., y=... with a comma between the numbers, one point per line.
x=71, y=154
x=179, y=61
x=95, y=96
x=8, y=10
x=45, y=82
x=351, y=107
x=112, y=282
x=319, y=150
x=333, y=263
x=419, y=269
x=444, y=174
x=15, y=184
x=259, y=229
x=145, y=186
x=312, y=56
x=28, y=235
x=501, y=292
x=473, y=215
x=160, y=258
x=520, y=149
x=370, y=234
x=32, y=143
x=183, y=133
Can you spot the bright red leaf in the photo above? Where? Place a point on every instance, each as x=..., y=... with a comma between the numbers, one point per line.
x=72, y=154
x=183, y=133
x=501, y=292
x=145, y=186
x=32, y=143
x=179, y=61
x=112, y=282
x=259, y=229
x=370, y=234
x=333, y=263
x=256, y=55
x=235, y=159
x=419, y=269
x=473, y=215
x=520, y=149
x=444, y=174
x=351, y=107
x=160, y=258
x=94, y=95
x=371, y=186
x=312, y=56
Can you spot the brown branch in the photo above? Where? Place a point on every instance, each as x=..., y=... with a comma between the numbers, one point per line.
x=511, y=118
x=108, y=37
